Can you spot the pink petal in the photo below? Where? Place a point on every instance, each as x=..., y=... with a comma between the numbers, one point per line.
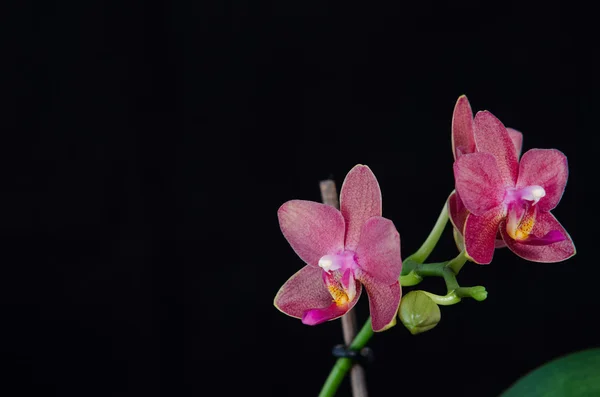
x=457, y=211
x=545, y=224
x=478, y=182
x=458, y=215
x=384, y=300
x=462, y=128
x=547, y=168
x=378, y=251
x=499, y=243
x=312, y=229
x=517, y=139
x=492, y=137
x=304, y=291
x=480, y=235
x=360, y=199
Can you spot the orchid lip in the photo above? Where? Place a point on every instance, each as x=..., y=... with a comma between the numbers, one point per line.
x=338, y=275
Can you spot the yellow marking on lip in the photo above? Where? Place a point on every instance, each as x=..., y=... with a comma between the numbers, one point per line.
x=339, y=296
x=526, y=225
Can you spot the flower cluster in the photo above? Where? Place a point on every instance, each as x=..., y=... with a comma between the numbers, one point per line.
x=501, y=199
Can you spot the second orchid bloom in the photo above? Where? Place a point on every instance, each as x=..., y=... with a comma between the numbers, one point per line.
x=501, y=200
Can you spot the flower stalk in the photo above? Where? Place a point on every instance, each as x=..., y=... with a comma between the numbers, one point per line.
x=358, y=380
x=413, y=272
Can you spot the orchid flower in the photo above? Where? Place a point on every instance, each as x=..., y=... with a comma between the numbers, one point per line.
x=344, y=250
x=512, y=197
x=463, y=142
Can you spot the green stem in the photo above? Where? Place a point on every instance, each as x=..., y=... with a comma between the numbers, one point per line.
x=410, y=279
x=434, y=236
x=446, y=300
x=457, y=263
x=343, y=365
x=413, y=271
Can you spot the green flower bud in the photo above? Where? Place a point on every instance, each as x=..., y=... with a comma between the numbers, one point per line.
x=418, y=312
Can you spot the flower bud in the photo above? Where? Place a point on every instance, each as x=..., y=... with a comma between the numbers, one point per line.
x=418, y=312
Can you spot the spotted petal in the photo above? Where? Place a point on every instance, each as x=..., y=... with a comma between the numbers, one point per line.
x=492, y=137
x=378, y=251
x=360, y=199
x=457, y=211
x=312, y=229
x=480, y=235
x=463, y=141
x=478, y=182
x=547, y=168
x=545, y=225
x=304, y=291
x=384, y=300
x=517, y=139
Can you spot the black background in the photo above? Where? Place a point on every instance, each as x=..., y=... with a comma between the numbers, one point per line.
x=146, y=149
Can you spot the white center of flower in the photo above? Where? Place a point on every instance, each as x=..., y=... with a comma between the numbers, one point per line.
x=533, y=193
x=330, y=263
x=342, y=261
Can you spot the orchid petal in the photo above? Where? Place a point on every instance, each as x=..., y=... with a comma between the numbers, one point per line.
x=384, y=300
x=360, y=199
x=480, y=235
x=546, y=225
x=463, y=141
x=457, y=211
x=547, y=168
x=378, y=251
x=492, y=137
x=478, y=182
x=312, y=229
x=458, y=215
x=303, y=291
x=517, y=139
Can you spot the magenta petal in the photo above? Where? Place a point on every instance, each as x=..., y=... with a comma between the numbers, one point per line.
x=499, y=243
x=312, y=229
x=458, y=215
x=378, y=251
x=545, y=223
x=463, y=141
x=553, y=236
x=318, y=316
x=517, y=139
x=547, y=168
x=492, y=137
x=478, y=182
x=360, y=199
x=304, y=291
x=457, y=211
x=480, y=235
x=384, y=300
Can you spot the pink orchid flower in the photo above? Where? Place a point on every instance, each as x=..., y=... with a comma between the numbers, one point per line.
x=503, y=194
x=344, y=250
x=463, y=142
